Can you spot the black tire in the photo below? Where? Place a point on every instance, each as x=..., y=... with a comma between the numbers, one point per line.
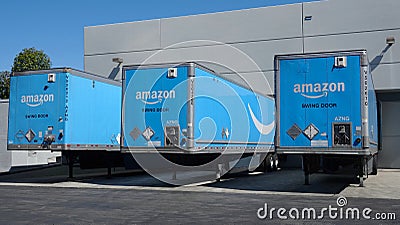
x=269, y=162
x=374, y=165
x=276, y=162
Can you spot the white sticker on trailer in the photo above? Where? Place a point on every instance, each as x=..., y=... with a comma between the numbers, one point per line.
x=319, y=143
x=154, y=144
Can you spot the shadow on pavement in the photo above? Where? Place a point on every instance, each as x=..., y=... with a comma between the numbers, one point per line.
x=59, y=173
x=287, y=180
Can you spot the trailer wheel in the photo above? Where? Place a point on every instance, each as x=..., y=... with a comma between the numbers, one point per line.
x=270, y=162
x=276, y=162
x=374, y=165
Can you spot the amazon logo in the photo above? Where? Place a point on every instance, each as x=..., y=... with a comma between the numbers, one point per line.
x=154, y=97
x=264, y=129
x=36, y=99
x=318, y=90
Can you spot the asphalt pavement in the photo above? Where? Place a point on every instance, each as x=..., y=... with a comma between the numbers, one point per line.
x=46, y=197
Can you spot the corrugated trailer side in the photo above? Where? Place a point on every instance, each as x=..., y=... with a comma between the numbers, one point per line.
x=191, y=115
x=243, y=118
x=154, y=102
x=92, y=113
x=65, y=110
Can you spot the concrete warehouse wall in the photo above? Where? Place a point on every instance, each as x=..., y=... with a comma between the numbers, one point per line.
x=260, y=33
x=242, y=44
x=5, y=156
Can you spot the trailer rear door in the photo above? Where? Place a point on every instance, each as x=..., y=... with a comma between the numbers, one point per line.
x=36, y=111
x=319, y=102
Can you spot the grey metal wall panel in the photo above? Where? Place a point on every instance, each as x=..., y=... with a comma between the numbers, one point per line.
x=5, y=156
x=390, y=120
x=103, y=65
x=384, y=58
x=236, y=26
x=373, y=42
x=349, y=16
x=243, y=57
x=135, y=36
x=262, y=82
x=244, y=26
x=258, y=80
x=386, y=77
x=390, y=155
x=263, y=52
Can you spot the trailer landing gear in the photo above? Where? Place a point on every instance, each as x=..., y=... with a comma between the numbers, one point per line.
x=311, y=164
x=375, y=165
x=110, y=164
x=219, y=172
x=71, y=157
x=306, y=168
x=362, y=170
x=109, y=175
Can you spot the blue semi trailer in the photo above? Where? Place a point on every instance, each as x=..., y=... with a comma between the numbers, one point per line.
x=65, y=110
x=191, y=115
x=327, y=111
